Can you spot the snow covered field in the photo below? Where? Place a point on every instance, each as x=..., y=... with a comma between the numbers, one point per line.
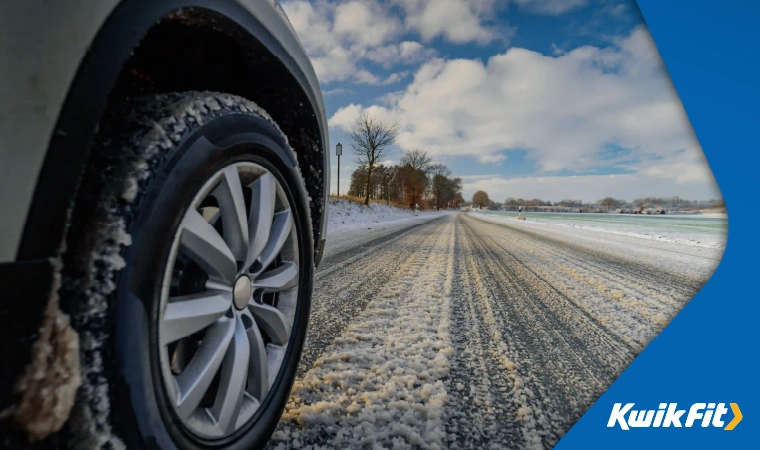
x=471, y=330
x=696, y=230
x=346, y=215
x=351, y=223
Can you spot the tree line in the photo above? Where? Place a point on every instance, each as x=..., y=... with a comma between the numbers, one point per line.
x=416, y=179
x=481, y=199
x=675, y=202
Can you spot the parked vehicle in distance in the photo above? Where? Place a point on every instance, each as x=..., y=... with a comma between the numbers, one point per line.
x=164, y=176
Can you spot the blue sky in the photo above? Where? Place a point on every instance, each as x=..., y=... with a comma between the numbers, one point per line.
x=522, y=98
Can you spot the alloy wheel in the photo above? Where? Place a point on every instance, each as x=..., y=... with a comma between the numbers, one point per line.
x=228, y=301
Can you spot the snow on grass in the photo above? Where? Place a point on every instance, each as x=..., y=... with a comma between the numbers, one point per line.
x=380, y=383
x=344, y=215
x=706, y=231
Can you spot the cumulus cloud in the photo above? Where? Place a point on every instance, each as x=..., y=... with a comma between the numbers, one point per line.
x=340, y=37
x=406, y=52
x=458, y=21
x=336, y=91
x=565, y=110
x=550, y=7
x=367, y=77
x=497, y=158
x=345, y=118
x=364, y=24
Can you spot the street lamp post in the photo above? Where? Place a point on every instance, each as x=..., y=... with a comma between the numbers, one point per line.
x=338, y=151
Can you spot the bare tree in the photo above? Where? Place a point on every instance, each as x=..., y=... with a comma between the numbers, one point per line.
x=370, y=139
x=481, y=199
x=417, y=162
x=439, y=174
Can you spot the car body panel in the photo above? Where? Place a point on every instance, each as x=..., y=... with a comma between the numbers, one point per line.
x=41, y=69
x=36, y=71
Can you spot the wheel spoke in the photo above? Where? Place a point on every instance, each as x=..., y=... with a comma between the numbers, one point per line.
x=279, y=279
x=190, y=313
x=218, y=362
x=195, y=380
x=281, y=226
x=207, y=248
x=272, y=322
x=229, y=194
x=264, y=190
x=258, y=368
x=232, y=381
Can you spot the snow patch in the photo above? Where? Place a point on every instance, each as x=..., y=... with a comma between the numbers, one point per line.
x=49, y=385
x=380, y=383
x=346, y=215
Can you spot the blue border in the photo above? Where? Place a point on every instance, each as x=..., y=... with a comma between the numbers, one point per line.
x=709, y=351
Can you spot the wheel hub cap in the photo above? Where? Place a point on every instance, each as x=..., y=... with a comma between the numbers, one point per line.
x=241, y=294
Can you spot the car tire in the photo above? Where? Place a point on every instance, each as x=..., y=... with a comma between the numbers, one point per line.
x=189, y=245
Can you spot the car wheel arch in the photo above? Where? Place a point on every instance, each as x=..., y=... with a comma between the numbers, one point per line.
x=115, y=67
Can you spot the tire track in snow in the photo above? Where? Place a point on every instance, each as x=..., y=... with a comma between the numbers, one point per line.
x=380, y=383
x=484, y=391
x=349, y=279
x=660, y=281
x=563, y=358
x=462, y=334
x=561, y=309
x=630, y=298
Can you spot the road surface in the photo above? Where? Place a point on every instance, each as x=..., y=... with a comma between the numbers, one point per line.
x=463, y=333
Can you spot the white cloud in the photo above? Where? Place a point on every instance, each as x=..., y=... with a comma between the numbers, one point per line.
x=550, y=7
x=564, y=110
x=336, y=91
x=364, y=24
x=331, y=61
x=615, y=9
x=339, y=36
x=497, y=158
x=684, y=167
x=407, y=52
x=458, y=21
x=345, y=118
x=366, y=77
x=410, y=49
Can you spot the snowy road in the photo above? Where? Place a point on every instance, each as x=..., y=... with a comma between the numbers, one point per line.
x=457, y=332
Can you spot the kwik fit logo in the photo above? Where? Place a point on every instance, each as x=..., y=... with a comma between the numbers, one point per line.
x=668, y=415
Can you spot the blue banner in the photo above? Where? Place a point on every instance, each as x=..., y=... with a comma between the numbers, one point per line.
x=696, y=385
